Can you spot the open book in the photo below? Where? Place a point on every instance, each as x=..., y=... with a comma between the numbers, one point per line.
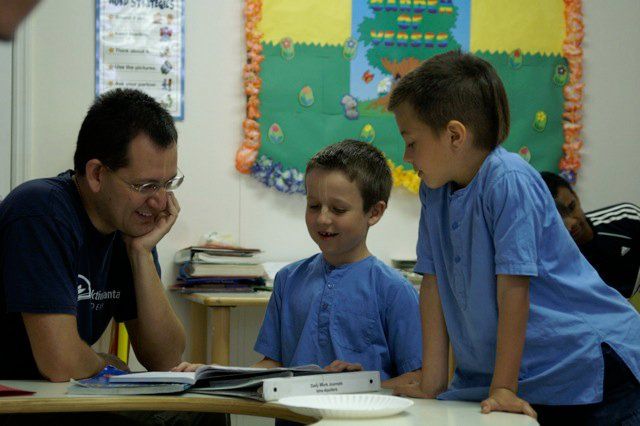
x=207, y=374
x=86, y=387
x=247, y=382
x=100, y=385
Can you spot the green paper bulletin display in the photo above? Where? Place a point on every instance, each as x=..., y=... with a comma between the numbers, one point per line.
x=320, y=72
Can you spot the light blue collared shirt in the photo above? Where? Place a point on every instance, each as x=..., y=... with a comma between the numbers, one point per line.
x=362, y=312
x=505, y=222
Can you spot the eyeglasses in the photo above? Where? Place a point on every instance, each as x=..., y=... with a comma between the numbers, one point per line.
x=150, y=188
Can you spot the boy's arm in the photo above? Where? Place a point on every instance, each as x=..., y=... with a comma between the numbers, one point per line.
x=269, y=340
x=435, y=345
x=267, y=362
x=403, y=379
x=513, y=313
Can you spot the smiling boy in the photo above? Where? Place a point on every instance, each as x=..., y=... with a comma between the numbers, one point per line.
x=343, y=308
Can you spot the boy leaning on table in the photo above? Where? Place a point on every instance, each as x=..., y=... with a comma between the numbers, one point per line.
x=343, y=308
x=533, y=327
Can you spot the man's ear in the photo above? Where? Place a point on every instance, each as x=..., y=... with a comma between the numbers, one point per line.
x=375, y=212
x=94, y=174
x=456, y=134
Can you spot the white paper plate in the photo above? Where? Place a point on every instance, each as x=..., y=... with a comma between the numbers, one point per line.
x=346, y=406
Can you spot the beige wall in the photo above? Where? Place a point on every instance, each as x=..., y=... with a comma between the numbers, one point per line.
x=5, y=119
x=215, y=197
x=611, y=156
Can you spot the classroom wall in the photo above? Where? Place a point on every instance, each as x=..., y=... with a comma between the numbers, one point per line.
x=5, y=119
x=611, y=154
x=214, y=196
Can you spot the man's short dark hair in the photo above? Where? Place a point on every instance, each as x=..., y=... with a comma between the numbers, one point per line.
x=114, y=120
x=457, y=86
x=555, y=182
x=363, y=164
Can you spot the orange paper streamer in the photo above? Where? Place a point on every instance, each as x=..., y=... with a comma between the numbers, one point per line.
x=248, y=152
x=573, y=91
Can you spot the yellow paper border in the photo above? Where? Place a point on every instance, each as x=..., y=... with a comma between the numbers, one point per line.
x=324, y=22
x=506, y=25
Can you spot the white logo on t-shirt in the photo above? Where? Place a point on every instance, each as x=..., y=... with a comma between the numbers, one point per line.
x=84, y=288
x=85, y=292
x=624, y=250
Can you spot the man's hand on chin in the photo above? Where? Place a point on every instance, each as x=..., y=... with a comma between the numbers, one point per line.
x=164, y=223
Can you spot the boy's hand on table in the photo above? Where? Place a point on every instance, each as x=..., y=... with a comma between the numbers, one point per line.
x=403, y=379
x=337, y=366
x=501, y=399
x=186, y=367
x=267, y=362
x=414, y=390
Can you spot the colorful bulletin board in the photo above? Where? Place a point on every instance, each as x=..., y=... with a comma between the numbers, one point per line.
x=319, y=71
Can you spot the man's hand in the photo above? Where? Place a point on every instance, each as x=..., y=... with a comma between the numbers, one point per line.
x=115, y=362
x=337, y=366
x=164, y=222
x=501, y=399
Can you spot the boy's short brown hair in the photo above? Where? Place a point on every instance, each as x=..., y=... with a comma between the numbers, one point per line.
x=457, y=86
x=362, y=163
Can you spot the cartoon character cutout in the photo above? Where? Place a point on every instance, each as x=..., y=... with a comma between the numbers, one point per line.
x=350, y=105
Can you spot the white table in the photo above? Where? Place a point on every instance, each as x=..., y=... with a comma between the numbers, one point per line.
x=51, y=397
x=428, y=412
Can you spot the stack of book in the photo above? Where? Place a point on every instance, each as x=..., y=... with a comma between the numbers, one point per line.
x=216, y=269
x=405, y=267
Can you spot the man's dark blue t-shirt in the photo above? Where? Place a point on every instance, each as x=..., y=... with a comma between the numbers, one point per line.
x=53, y=260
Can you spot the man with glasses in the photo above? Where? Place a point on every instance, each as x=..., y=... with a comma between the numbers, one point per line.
x=78, y=249
x=609, y=238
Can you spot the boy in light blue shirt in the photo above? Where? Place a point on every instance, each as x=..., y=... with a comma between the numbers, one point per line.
x=343, y=308
x=530, y=321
